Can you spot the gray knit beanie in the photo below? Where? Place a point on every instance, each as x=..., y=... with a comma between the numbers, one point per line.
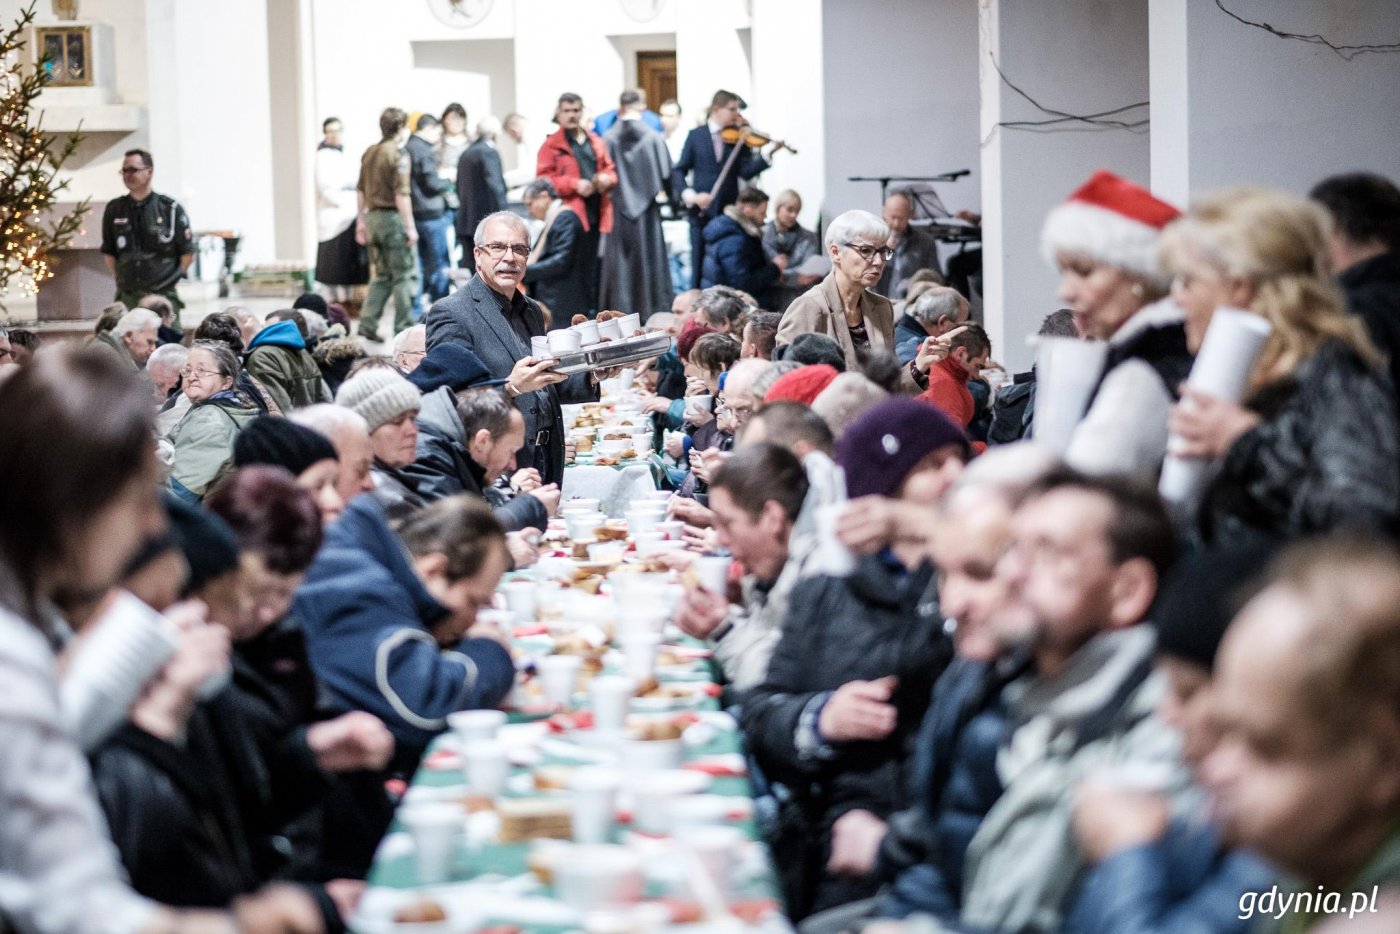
x=379, y=395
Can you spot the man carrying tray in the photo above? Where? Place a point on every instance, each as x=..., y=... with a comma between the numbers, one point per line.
x=492, y=318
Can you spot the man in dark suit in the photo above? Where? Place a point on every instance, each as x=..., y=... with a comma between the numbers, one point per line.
x=701, y=161
x=491, y=318
x=557, y=275
x=481, y=186
x=426, y=188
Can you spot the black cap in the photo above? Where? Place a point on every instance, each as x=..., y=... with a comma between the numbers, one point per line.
x=208, y=544
x=271, y=439
x=312, y=302
x=451, y=365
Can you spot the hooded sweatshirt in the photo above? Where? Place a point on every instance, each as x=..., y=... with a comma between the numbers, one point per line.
x=279, y=360
x=367, y=619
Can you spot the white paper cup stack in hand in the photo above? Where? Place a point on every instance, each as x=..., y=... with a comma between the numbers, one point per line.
x=120, y=653
x=1227, y=356
x=1067, y=370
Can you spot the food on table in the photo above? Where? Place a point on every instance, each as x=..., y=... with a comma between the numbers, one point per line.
x=528, y=818
x=616, y=436
x=583, y=443
x=605, y=461
x=577, y=320
x=656, y=730
x=475, y=804
x=553, y=777
x=614, y=530
x=423, y=912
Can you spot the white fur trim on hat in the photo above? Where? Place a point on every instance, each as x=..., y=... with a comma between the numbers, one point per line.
x=1104, y=236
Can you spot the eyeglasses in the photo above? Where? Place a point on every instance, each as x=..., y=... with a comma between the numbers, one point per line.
x=132, y=169
x=868, y=253
x=498, y=249
x=193, y=372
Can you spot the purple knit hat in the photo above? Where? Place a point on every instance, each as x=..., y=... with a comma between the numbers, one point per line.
x=881, y=447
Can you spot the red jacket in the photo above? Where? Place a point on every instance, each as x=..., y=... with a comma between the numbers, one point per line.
x=947, y=391
x=556, y=162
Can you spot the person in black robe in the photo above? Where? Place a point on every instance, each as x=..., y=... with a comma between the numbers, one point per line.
x=636, y=274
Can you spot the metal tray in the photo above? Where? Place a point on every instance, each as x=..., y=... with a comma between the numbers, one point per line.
x=611, y=354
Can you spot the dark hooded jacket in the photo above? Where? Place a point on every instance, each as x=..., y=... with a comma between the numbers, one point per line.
x=879, y=621
x=278, y=359
x=368, y=622
x=444, y=467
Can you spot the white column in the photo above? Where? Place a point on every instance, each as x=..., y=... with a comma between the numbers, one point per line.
x=1234, y=104
x=1078, y=57
x=787, y=96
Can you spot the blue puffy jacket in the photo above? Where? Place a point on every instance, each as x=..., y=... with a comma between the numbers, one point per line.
x=1182, y=884
x=367, y=619
x=955, y=784
x=735, y=257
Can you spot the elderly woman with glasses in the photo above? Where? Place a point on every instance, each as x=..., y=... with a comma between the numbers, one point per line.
x=203, y=439
x=842, y=306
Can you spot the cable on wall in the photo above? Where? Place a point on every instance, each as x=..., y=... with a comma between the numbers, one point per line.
x=1347, y=52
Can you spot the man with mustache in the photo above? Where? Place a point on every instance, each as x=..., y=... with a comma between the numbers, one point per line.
x=493, y=319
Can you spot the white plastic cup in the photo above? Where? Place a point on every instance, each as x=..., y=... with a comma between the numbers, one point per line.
x=652, y=755
x=475, y=726
x=578, y=504
x=564, y=340
x=558, y=677
x=672, y=530
x=627, y=374
x=640, y=522
x=654, y=792
x=539, y=346
x=606, y=552
x=629, y=324
x=587, y=332
x=582, y=525
x=610, y=696
x=522, y=597
x=595, y=877
x=436, y=829
x=608, y=329
x=486, y=767
x=714, y=574
x=715, y=850
x=593, y=804
x=697, y=404
x=639, y=652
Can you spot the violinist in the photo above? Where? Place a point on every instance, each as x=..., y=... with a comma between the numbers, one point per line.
x=706, y=186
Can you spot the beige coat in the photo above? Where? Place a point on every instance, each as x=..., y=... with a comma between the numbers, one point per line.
x=819, y=310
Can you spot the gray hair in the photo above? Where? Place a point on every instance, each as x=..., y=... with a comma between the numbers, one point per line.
x=1007, y=470
x=168, y=355
x=505, y=217
x=316, y=324
x=135, y=320
x=224, y=357
x=484, y=408
x=488, y=127
x=938, y=302
x=331, y=420
x=538, y=187
x=401, y=338
x=855, y=225
x=765, y=380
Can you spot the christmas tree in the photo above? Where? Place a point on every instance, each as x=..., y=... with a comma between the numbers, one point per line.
x=29, y=164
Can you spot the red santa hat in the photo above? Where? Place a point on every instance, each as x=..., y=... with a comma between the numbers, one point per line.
x=1113, y=221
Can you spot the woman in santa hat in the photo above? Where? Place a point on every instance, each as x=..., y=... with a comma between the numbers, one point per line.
x=1103, y=239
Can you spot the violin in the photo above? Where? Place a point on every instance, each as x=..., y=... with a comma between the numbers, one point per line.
x=751, y=137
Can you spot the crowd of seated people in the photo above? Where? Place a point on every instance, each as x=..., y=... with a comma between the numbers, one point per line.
x=985, y=684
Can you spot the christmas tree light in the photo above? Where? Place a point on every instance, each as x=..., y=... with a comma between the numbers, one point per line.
x=30, y=162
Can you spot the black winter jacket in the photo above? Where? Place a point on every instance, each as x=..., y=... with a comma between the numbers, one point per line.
x=443, y=466
x=1326, y=455
x=874, y=623
x=1372, y=289
x=426, y=186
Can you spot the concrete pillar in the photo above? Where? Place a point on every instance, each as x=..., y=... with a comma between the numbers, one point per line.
x=787, y=96
x=1233, y=104
x=1078, y=57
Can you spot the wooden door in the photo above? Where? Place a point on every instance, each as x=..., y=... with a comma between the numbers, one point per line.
x=656, y=75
